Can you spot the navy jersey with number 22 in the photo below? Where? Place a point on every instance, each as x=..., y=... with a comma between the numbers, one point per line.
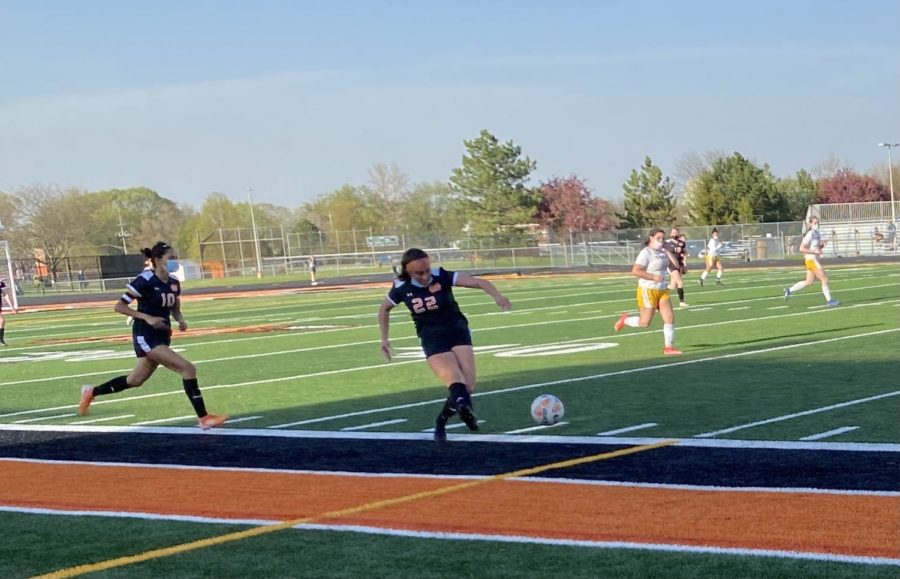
x=155, y=297
x=432, y=305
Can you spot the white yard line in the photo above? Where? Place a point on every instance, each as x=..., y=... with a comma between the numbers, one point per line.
x=242, y=419
x=739, y=308
x=492, y=438
x=830, y=433
x=164, y=420
x=107, y=419
x=798, y=414
x=54, y=417
x=452, y=426
x=627, y=429
x=538, y=427
x=374, y=424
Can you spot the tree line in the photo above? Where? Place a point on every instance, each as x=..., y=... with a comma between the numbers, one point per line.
x=490, y=193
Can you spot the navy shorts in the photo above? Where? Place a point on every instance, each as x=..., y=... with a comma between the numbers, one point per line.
x=442, y=339
x=146, y=340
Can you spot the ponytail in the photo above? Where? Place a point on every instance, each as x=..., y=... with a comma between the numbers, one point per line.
x=156, y=252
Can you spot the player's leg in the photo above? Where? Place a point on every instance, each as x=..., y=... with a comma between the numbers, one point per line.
x=820, y=274
x=465, y=356
x=168, y=358
x=668, y=317
x=140, y=374
x=645, y=312
x=447, y=368
x=708, y=266
x=810, y=276
x=678, y=285
x=2, y=329
x=720, y=269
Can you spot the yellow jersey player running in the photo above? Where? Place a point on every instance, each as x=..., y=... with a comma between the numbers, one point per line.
x=650, y=268
x=712, y=258
x=811, y=247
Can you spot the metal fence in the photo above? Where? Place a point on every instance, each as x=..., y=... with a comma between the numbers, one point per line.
x=232, y=253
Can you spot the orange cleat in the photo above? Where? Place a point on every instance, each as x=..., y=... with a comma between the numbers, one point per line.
x=621, y=323
x=672, y=351
x=212, y=421
x=87, y=396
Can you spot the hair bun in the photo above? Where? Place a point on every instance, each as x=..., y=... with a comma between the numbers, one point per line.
x=146, y=252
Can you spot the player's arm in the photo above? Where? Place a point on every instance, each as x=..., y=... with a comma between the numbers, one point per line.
x=178, y=316
x=640, y=270
x=384, y=320
x=123, y=306
x=487, y=287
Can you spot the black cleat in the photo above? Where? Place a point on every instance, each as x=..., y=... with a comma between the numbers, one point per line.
x=701, y=282
x=719, y=282
x=440, y=432
x=467, y=416
x=3, y=343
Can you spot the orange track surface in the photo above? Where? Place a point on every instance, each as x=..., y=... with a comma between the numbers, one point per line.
x=837, y=524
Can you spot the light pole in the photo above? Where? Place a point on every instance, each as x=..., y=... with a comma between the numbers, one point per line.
x=122, y=234
x=890, y=146
x=255, y=234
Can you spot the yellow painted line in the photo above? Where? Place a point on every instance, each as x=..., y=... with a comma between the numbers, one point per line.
x=370, y=506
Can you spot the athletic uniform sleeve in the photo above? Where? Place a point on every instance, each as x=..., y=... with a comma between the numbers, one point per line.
x=807, y=239
x=446, y=277
x=395, y=296
x=643, y=258
x=135, y=290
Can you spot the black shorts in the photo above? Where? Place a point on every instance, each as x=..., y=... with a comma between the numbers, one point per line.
x=682, y=269
x=146, y=340
x=440, y=339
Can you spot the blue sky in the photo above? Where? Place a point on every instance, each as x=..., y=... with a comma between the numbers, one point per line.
x=295, y=98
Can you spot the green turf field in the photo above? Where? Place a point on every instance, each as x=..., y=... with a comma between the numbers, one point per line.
x=754, y=368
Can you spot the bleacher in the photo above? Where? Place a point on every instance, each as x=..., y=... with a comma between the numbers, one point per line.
x=849, y=228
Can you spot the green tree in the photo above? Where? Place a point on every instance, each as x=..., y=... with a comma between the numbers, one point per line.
x=735, y=190
x=799, y=193
x=492, y=185
x=432, y=209
x=648, y=198
x=54, y=224
x=145, y=215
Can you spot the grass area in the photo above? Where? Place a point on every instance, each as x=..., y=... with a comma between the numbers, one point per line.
x=749, y=357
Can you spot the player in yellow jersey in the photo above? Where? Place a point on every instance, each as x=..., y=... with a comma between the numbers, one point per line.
x=650, y=268
x=712, y=258
x=811, y=247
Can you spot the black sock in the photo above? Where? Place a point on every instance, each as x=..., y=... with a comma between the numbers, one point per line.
x=681, y=294
x=448, y=410
x=1, y=333
x=192, y=389
x=117, y=384
x=458, y=391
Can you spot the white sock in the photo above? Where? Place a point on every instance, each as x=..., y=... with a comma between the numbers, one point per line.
x=669, y=334
x=798, y=286
x=718, y=275
x=826, y=292
x=704, y=274
x=633, y=321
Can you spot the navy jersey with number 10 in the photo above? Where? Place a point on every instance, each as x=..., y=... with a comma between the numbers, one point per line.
x=432, y=305
x=155, y=297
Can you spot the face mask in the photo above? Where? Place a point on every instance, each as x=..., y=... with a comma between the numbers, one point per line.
x=172, y=265
x=815, y=226
x=655, y=244
x=417, y=284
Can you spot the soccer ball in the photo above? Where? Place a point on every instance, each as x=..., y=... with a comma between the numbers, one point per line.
x=547, y=409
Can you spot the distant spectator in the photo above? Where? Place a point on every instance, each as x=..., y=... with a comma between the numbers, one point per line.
x=891, y=236
x=313, y=267
x=82, y=279
x=877, y=237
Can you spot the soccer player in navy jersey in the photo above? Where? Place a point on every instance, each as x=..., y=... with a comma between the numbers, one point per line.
x=158, y=296
x=442, y=329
